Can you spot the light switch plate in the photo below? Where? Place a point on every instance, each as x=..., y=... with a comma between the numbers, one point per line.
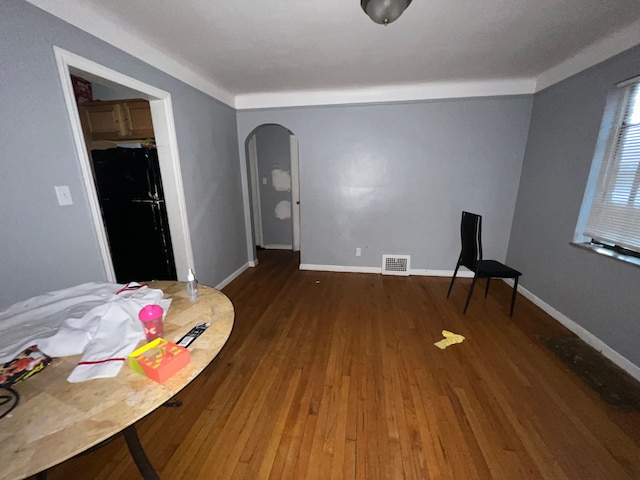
x=64, y=195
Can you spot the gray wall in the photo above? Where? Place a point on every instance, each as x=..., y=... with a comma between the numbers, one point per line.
x=394, y=178
x=273, y=152
x=598, y=293
x=45, y=246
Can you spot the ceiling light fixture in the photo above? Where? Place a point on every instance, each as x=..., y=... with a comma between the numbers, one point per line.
x=384, y=11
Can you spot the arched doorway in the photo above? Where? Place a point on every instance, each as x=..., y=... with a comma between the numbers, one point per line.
x=274, y=191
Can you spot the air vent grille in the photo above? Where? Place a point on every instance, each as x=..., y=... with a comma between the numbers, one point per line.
x=396, y=264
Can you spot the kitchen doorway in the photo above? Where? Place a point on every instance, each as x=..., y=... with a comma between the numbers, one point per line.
x=167, y=155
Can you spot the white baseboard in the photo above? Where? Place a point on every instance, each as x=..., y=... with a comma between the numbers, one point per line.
x=589, y=338
x=253, y=263
x=439, y=273
x=340, y=268
x=355, y=269
x=278, y=247
x=233, y=276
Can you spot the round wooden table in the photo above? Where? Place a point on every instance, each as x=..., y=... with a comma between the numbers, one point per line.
x=56, y=420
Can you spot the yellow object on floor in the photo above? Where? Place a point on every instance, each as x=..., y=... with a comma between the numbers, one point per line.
x=449, y=339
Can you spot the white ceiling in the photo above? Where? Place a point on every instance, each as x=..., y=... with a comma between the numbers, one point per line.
x=252, y=53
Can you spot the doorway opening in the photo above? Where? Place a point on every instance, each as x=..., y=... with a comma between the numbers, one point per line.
x=167, y=165
x=272, y=153
x=120, y=142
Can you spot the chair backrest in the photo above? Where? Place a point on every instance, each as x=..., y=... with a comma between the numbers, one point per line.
x=471, y=236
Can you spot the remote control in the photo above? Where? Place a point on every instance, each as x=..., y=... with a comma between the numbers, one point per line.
x=194, y=333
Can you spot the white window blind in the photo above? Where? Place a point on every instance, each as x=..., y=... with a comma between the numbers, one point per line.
x=614, y=217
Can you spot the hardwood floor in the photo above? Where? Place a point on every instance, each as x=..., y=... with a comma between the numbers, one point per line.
x=335, y=375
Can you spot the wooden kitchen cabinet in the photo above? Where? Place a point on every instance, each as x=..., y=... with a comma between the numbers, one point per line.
x=116, y=120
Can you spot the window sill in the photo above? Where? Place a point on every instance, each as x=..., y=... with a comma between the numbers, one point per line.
x=608, y=253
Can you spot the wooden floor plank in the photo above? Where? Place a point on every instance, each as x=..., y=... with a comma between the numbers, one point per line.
x=335, y=376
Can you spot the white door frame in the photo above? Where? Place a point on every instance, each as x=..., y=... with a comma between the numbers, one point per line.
x=295, y=191
x=255, y=191
x=167, y=147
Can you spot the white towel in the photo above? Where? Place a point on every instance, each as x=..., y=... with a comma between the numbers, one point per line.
x=90, y=319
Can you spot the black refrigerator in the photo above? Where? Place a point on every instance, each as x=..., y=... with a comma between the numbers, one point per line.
x=133, y=209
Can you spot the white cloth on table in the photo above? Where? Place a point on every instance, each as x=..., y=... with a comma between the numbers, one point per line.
x=90, y=318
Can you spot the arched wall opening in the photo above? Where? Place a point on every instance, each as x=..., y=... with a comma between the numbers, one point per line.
x=272, y=160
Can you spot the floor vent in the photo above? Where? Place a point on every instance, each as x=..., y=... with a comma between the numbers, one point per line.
x=396, y=264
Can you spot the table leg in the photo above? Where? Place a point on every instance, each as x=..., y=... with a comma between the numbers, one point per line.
x=138, y=455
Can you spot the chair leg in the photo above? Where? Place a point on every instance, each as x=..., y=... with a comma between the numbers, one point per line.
x=453, y=279
x=473, y=284
x=513, y=295
x=486, y=289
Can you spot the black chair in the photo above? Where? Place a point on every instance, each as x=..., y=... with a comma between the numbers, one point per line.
x=471, y=257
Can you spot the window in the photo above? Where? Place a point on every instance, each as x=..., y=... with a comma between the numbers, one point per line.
x=613, y=219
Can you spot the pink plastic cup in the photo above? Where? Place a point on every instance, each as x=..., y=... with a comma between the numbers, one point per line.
x=151, y=318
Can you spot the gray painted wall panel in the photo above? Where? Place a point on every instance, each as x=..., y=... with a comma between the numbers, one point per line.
x=598, y=293
x=394, y=178
x=45, y=246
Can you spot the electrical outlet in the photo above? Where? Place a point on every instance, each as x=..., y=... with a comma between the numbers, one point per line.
x=64, y=195
x=358, y=251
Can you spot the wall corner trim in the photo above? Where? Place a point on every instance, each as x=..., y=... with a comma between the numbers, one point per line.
x=597, y=52
x=387, y=93
x=83, y=17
